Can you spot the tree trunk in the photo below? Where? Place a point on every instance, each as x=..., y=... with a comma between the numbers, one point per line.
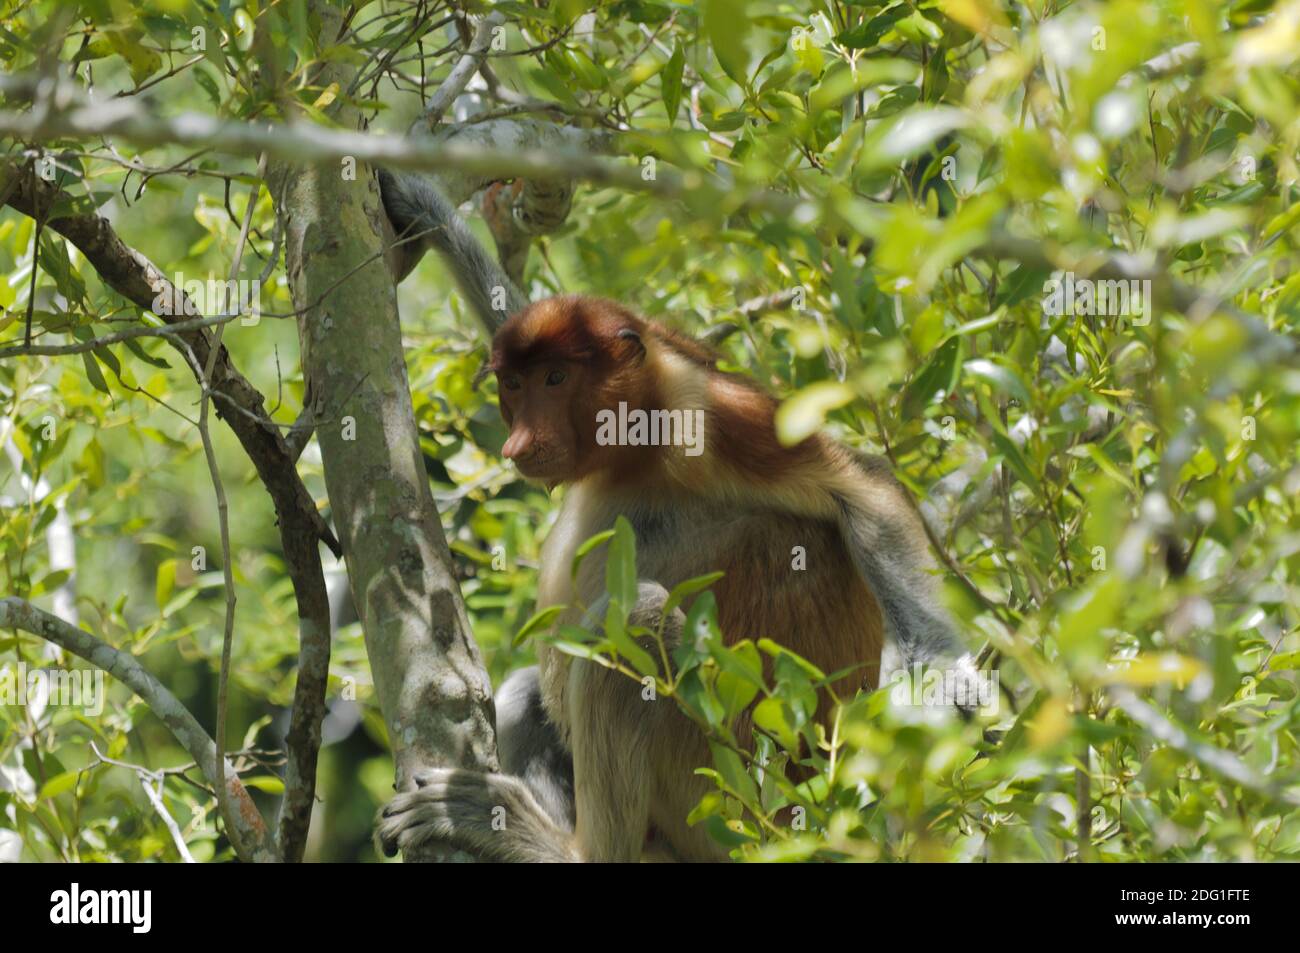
x=429, y=677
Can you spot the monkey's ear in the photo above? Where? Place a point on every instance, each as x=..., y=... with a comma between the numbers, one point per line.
x=629, y=334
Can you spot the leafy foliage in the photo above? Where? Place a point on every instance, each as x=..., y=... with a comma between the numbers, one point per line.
x=1114, y=496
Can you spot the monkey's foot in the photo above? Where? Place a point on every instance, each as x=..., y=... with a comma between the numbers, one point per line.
x=492, y=816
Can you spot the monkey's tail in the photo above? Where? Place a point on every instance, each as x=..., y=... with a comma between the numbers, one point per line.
x=416, y=207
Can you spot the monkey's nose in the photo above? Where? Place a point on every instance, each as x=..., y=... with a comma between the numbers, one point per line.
x=518, y=445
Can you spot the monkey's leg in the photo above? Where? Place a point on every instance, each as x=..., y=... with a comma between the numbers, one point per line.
x=530, y=746
x=525, y=814
x=611, y=764
x=617, y=736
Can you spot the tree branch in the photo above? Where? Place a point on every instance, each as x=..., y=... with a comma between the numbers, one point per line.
x=242, y=407
x=73, y=115
x=460, y=74
x=137, y=279
x=248, y=831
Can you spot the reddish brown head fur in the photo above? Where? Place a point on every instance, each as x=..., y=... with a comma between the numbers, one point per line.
x=558, y=362
x=562, y=360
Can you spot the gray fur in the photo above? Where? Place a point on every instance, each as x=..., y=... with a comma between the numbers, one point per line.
x=889, y=550
x=530, y=747
x=415, y=206
x=525, y=815
x=492, y=816
x=902, y=586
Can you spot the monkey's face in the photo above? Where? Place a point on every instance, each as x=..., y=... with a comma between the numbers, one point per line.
x=538, y=403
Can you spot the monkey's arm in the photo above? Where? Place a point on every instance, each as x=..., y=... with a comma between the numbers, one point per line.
x=415, y=206
x=888, y=544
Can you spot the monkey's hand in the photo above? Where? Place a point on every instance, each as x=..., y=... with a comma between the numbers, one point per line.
x=948, y=681
x=492, y=816
x=965, y=688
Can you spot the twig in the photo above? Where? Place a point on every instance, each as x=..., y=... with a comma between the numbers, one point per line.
x=147, y=779
x=460, y=74
x=126, y=334
x=223, y=507
x=36, y=258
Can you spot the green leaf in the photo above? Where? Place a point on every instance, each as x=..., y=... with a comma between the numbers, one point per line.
x=93, y=373
x=936, y=379
x=135, y=348
x=51, y=581
x=908, y=134
x=576, y=648
x=539, y=620
x=1282, y=223
x=836, y=84
x=740, y=676
x=802, y=415
x=586, y=548
x=59, y=784
x=620, y=567
x=209, y=85
x=164, y=582
x=1012, y=455
x=671, y=82
x=1088, y=613
x=624, y=644
x=729, y=833
x=732, y=771
x=1284, y=661
x=180, y=601
x=868, y=35
x=1021, y=284
x=778, y=651
x=689, y=587
x=999, y=377
x=726, y=23
x=770, y=715
x=142, y=61
x=265, y=782
x=589, y=75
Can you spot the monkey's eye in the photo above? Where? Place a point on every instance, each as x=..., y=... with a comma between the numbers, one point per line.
x=555, y=378
x=510, y=383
